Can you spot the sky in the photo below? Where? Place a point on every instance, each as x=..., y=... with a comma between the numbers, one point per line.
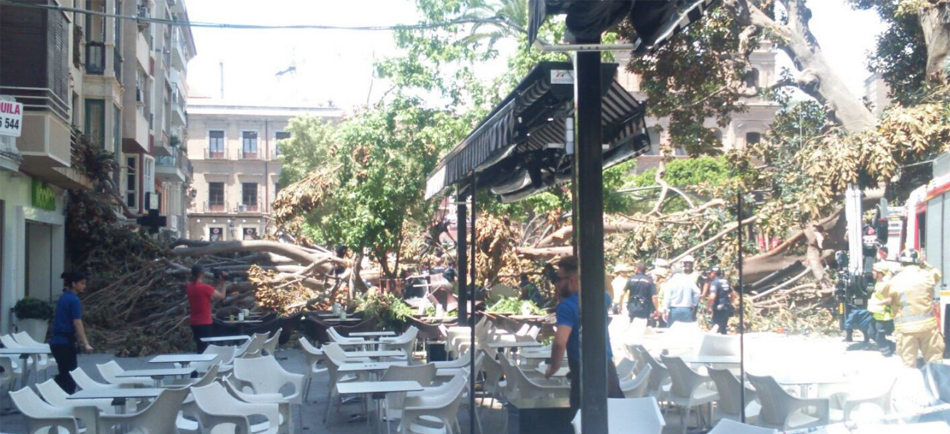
x=338, y=65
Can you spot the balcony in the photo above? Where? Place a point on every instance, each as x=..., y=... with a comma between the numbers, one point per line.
x=142, y=51
x=249, y=208
x=174, y=168
x=178, y=108
x=179, y=58
x=135, y=132
x=214, y=207
x=216, y=154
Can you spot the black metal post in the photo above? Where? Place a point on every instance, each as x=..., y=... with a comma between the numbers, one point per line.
x=589, y=241
x=473, y=348
x=741, y=315
x=462, y=250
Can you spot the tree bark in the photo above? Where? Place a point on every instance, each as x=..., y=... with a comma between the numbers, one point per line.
x=287, y=250
x=934, y=20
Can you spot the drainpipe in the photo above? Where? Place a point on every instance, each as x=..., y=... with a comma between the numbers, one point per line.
x=266, y=207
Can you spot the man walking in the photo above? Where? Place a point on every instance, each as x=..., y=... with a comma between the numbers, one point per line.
x=567, y=336
x=721, y=300
x=682, y=296
x=640, y=293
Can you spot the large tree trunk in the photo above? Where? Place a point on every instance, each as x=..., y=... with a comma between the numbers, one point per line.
x=287, y=250
x=935, y=22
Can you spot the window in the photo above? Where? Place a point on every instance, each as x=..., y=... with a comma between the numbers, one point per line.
x=752, y=78
x=117, y=130
x=276, y=189
x=752, y=138
x=131, y=182
x=250, y=233
x=96, y=121
x=216, y=234
x=280, y=135
x=654, y=142
x=216, y=144
x=148, y=164
x=249, y=195
x=249, y=143
x=216, y=196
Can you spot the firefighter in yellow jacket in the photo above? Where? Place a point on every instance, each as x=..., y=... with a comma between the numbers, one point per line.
x=883, y=323
x=910, y=294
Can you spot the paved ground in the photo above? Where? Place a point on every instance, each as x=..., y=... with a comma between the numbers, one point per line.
x=492, y=417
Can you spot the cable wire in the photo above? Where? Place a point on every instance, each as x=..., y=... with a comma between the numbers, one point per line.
x=200, y=24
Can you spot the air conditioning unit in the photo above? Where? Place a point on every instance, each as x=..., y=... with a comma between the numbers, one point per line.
x=242, y=208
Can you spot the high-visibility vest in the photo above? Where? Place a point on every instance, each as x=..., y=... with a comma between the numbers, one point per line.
x=910, y=294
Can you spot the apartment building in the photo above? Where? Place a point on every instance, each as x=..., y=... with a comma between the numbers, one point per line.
x=235, y=151
x=745, y=128
x=108, y=79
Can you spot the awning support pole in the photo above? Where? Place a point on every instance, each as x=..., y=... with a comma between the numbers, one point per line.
x=741, y=312
x=473, y=348
x=462, y=262
x=589, y=241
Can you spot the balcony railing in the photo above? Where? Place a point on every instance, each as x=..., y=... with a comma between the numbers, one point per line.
x=238, y=207
x=178, y=160
x=249, y=207
x=95, y=58
x=214, y=206
x=216, y=154
x=247, y=155
x=117, y=63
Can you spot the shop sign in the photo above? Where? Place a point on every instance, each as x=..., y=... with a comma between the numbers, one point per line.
x=11, y=118
x=43, y=196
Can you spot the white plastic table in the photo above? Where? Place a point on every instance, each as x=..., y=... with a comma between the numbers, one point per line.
x=117, y=395
x=371, y=334
x=368, y=388
x=234, y=338
x=717, y=360
x=522, y=344
x=808, y=378
x=184, y=359
x=375, y=354
x=368, y=367
x=24, y=354
x=561, y=372
x=157, y=374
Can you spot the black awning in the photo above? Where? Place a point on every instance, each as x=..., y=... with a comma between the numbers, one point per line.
x=525, y=145
x=655, y=21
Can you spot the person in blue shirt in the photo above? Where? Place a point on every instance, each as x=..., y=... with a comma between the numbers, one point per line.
x=67, y=326
x=567, y=336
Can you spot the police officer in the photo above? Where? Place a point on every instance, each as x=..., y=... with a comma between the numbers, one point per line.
x=883, y=323
x=640, y=292
x=721, y=299
x=910, y=294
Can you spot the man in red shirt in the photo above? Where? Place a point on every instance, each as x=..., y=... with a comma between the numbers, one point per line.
x=200, y=295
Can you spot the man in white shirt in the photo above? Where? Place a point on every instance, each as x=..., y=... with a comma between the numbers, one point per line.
x=681, y=298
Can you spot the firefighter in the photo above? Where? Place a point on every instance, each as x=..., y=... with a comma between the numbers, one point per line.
x=883, y=323
x=910, y=294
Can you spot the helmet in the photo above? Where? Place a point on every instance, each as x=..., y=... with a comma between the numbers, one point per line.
x=688, y=258
x=881, y=267
x=909, y=256
x=716, y=269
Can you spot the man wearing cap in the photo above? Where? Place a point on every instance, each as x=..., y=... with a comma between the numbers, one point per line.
x=910, y=294
x=682, y=295
x=567, y=336
x=640, y=292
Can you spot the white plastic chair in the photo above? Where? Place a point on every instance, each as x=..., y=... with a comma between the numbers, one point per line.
x=315, y=356
x=110, y=371
x=41, y=417
x=659, y=386
x=255, y=398
x=493, y=385
x=405, y=343
x=730, y=397
x=159, y=417
x=864, y=390
x=782, y=411
x=629, y=416
x=12, y=372
x=35, y=364
x=252, y=348
x=439, y=405
x=460, y=362
x=727, y=426
x=265, y=375
x=527, y=388
x=270, y=345
x=86, y=410
x=625, y=369
x=339, y=356
x=334, y=358
x=637, y=387
x=85, y=382
x=224, y=360
x=714, y=344
x=423, y=374
x=689, y=388
x=216, y=407
x=45, y=362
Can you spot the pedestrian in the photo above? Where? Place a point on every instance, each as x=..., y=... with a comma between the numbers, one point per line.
x=530, y=291
x=450, y=273
x=660, y=274
x=883, y=317
x=722, y=300
x=910, y=294
x=200, y=295
x=567, y=335
x=640, y=293
x=682, y=296
x=67, y=326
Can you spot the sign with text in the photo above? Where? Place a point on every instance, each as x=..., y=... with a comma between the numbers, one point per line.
x=562, y=76
x=43, y=197
x=11, y=118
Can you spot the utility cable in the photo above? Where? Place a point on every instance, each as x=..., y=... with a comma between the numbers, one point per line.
x=422, y=26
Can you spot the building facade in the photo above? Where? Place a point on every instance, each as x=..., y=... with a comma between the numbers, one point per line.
x=745, y=128
x=103, y=77
x=235, y=151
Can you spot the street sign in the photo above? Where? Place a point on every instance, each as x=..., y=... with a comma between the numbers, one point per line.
x=11, y=118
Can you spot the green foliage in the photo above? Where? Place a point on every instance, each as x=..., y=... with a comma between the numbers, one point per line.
x=311, y=142
x=430, y=312
x=390, y=312
x=688, y=172
x=515, y=306
x=901, y=53
x=33, y=308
